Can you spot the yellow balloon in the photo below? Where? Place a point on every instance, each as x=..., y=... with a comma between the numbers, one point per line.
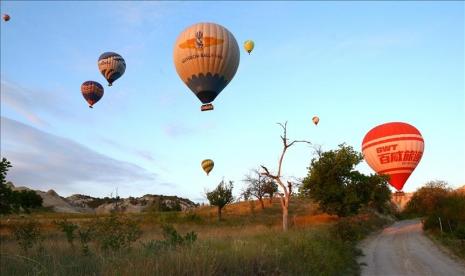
x=207, y=165
x=206, y=57
x=249, y=45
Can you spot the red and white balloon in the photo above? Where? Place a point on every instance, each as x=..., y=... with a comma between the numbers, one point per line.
x=393, y=149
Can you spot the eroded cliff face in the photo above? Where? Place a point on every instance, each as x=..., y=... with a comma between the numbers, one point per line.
x=87, y=204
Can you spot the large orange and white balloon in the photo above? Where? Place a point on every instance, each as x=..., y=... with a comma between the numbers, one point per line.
x=206, y=57
x=393, y=149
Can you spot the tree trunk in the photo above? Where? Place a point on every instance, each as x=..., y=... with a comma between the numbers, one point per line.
x=219, y=213
x=285, y=220
x=261, y=203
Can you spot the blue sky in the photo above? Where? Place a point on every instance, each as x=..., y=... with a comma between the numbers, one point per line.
x=354, y=64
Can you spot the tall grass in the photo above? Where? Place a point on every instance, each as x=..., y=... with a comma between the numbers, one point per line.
x=298, y=252
x=242, y=244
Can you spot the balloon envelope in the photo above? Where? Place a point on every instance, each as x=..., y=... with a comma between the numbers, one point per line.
x=6, y=17
x=112, y=66
x=315, y=120
x=249, y=45
x=207, y=165
x=206, y=57
x=393, y=149
x=92, y=92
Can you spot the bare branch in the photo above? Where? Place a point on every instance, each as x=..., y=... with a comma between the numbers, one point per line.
x=299, y=141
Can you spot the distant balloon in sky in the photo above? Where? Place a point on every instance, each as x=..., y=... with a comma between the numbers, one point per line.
x=112, y=66
x=92, y=92
x=6, y=17
x=207, y=165
x=249, y=45
x=315, y=120
x=206, y=57
x=393, y=149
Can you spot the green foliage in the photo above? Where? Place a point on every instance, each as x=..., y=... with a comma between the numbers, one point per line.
x=258, y=186
x=15, y=201
x=425, y=200
x=221, y=196
x=116, y=232
x=68, y=228
x=5, y=191
x=4, y=166
x=339, y=189
x=440, y=206
x=270, y=188
x=172, y=240
x=85, y=237
x=27, y=234
x=28, y=199
x=355, y=228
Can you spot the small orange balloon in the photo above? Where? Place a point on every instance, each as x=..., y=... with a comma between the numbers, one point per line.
x=315, y=120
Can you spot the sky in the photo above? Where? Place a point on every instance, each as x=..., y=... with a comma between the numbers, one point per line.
x=354, y=64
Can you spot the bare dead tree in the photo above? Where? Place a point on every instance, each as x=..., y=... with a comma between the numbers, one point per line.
x=287, y=190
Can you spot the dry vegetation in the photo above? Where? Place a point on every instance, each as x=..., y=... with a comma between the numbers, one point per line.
x=248, y=241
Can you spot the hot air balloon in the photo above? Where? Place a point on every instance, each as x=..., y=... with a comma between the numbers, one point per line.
x=206, y=57
x=393, y=149
x=248, y=46
x=6, y=17
x=315, y=120
x=207, y=165
x=112, y=66
x=92, y=92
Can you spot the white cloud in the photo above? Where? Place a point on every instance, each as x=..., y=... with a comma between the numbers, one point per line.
x=46, y=161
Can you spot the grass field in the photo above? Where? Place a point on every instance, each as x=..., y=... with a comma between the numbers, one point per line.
x=249, y=241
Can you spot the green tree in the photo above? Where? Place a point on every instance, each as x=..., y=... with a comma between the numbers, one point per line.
x=334, y=183
x=270, y=188
x=5, y=191
x=425, y=200
x=15, y=201
x=221, y=196
x=256, y=184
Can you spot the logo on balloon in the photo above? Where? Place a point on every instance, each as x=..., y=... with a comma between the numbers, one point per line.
x=391, y=153
x=200, y=42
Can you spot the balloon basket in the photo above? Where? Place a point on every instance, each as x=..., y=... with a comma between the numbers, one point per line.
x=206, y=107
x=397, y=199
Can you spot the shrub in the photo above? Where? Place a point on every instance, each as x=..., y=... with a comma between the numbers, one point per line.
x=68, y=228
x=27, y=234
x=85, y=236
x=172, y=240
x=115, y=233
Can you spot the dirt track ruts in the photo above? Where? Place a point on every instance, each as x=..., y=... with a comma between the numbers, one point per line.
x=403, y=249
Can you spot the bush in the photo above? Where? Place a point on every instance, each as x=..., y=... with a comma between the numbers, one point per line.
x=115, y=233
x=355, y=228
x=85, y=236
x=27, y=234
x=68, y=228
x=460, y=231
x=172, y=240
x=425, y=200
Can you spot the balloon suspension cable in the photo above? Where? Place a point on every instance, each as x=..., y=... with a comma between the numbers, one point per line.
x=206, y=107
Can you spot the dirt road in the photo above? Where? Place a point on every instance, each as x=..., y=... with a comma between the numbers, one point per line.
x=403, y=249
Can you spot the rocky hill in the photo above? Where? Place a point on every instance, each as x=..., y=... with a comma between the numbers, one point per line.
x=86, y=204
